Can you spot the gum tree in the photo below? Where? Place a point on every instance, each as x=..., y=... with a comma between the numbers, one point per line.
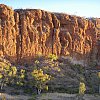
x=40, y=79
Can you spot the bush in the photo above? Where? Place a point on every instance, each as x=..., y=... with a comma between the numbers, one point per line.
x=52, y=57
x=79, y=68
x=40, y=79
x=7, y=74
x=82, y=88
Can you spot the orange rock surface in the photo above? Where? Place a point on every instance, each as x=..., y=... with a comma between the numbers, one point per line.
x=26, y=33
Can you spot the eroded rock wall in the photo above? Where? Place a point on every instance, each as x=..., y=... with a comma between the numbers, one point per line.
x=8, y=33
x=26, y=33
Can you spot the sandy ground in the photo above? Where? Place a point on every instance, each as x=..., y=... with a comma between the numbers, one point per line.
x=52, y=96
x=14, y=97
x=64, y=96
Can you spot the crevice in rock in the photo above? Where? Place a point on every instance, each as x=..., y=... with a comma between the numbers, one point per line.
x=2, y=28
x=19, y=38
x=53, y=32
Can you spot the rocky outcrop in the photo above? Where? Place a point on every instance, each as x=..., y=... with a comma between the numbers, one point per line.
x=27, y=33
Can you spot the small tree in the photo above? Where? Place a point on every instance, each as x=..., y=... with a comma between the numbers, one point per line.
x=7, y=74
x=40, y=80
x=82, y=88
x=10, y=75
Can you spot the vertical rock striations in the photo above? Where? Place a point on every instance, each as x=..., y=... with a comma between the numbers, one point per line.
x=8, y=33
x=26, y=33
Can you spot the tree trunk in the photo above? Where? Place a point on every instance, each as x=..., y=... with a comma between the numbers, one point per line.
x=39, y=91
x=1, y=86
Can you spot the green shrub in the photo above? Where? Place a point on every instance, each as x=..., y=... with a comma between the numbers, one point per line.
x=82, y=88
x=40, y=79
x=79, y=68
x=52, y=57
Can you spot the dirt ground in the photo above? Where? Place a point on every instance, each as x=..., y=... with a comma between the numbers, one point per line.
x=51, y=96
x=13, y=97
x=64, y=96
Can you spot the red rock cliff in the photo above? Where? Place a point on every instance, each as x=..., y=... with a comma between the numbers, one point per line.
x=26, y=33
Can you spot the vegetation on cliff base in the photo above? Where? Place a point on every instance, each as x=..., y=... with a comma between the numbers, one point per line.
x=57, y=75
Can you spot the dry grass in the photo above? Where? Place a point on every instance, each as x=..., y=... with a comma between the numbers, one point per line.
x=51, y=96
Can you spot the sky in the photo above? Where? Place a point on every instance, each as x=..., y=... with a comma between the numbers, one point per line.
x=84, y=8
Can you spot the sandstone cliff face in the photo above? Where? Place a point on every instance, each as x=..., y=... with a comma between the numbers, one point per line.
x=26, y=33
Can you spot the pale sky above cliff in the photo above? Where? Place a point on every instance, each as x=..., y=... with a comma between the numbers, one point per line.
x=86, y=8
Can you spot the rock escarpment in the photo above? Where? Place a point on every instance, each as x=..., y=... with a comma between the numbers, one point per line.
x=26, y=33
